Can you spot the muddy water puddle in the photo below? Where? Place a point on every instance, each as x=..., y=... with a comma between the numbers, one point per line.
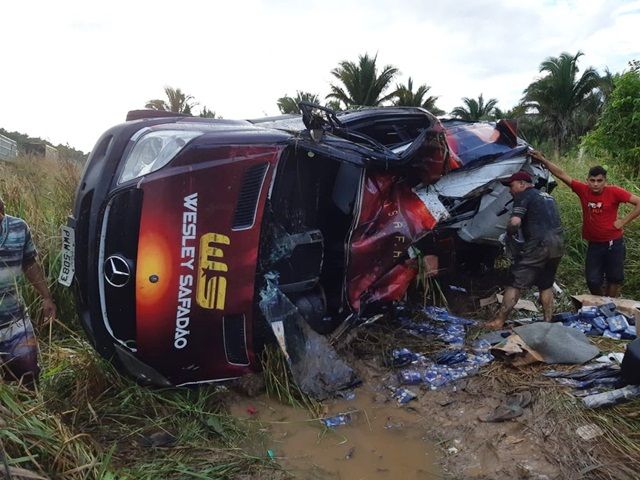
x=382, y=441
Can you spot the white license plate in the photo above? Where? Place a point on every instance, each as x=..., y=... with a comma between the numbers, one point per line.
x=67, y=269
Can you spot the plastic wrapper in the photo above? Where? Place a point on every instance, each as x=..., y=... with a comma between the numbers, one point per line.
x=337, y=420
x=315, y=365
x=403, y=395
x=603, y=320
x=566, y=317
x=599, y=322
x=608, y=310
x=613, y=335
x=481, y=346
x=617, y=323
x=578, y=325
x=400, y=357
x=450, y=357
x=594, y=370
x=442, y=315
x=447, y=365
x=434, y=375
x=629, y=333
x=588, y=312
x=612, y=397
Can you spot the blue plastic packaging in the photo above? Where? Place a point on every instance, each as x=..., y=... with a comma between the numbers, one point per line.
x=480, y=359
x=435, y=375
x=422, y=328
x=481, y=346
x=450, y=357
x=617, y=323
x=566, y=317
x=629, y=333
x=594, y=332
x=402, y=395
x=608, y=309
x=609, y=334
x=587, y=313
x=578, y=325
x=454, y=336
x=337, y=420
x=599, y=322
x=403, y=356
x=443, y=315
x=346, y=394
x=410, y=377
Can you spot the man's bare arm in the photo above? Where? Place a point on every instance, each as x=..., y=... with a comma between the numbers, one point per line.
x=635, y=213
x=553, y=168
x=34, y=273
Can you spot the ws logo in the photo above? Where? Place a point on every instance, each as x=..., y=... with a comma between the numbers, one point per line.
x=211, y=290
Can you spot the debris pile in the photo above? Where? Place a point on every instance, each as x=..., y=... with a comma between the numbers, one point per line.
x=542, y=342
x=315, y=365
x=603, y=320
x=605, y=382
x=446, y=366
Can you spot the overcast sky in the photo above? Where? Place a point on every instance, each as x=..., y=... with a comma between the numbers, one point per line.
x=71, y=69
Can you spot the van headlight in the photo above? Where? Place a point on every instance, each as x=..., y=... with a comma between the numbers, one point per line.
x=153, y=150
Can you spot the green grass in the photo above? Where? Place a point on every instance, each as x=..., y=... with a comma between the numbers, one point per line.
x=85, y=421
x=571, y=272
x=280, y=384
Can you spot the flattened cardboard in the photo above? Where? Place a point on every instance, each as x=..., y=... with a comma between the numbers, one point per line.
x=624, y=305
x=527, y=305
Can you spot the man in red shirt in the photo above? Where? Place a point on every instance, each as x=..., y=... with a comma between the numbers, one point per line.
x=601, y=227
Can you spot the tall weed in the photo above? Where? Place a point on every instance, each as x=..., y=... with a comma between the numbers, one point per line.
x=86, y=421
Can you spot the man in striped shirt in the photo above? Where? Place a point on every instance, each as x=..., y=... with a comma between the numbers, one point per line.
x=18, y=344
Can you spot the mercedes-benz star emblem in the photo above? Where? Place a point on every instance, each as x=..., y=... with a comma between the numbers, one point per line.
x=116, y=271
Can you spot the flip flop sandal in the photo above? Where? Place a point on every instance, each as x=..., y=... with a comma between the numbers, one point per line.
x=503, y=413
x=519, y=399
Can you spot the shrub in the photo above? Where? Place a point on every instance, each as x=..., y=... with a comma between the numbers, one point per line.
x=617, y=132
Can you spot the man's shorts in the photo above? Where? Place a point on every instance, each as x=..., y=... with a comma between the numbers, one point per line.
x=19, y=350
x=605, y=261
x=535, y=266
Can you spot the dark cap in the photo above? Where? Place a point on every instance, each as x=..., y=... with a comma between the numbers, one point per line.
x=521, y=175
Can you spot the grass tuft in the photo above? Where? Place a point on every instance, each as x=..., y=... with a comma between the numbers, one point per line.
x=86, y=421
x=280, y=384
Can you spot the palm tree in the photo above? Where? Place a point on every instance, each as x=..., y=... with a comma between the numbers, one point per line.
x=475, y=109
x=334, y=105
x=178, y=102
x=516, y=113
x=558, y=95
x=289, y=104
x=606, y=84
x=406, y=97
x=361, y=84
x=206, y=113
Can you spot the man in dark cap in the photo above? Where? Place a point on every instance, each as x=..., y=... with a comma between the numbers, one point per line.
x=535, y=213
x=18, y=344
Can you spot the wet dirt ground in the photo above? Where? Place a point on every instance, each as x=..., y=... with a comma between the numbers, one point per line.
x=438, y=435
x=442, y=433
x=381, y=441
